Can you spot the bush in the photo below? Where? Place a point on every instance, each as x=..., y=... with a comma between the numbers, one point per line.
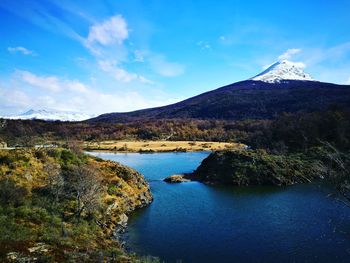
x=11, y=194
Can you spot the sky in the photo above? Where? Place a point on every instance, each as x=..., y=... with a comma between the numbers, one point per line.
x=114, y=55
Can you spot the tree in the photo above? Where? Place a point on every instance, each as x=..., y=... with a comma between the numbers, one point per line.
x=336, y=167
x=55, y=181
x=11, y=193
x=76, y=147
x=86, y=188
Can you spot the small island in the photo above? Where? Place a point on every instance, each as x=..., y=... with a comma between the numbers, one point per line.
x=176, y=178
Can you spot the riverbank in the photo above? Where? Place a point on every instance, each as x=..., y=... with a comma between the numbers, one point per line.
x=160, y=146
x=57, y=205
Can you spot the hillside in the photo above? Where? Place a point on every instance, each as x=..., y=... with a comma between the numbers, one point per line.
x=61, y=206
x=245, y=100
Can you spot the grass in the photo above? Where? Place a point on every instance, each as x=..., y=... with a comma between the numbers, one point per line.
x=160, y=146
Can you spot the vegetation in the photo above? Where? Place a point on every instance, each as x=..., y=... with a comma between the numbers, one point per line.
x=249, y=167
x=31, y=132
x=289, y=136
x=292, y=148
x=288, y=132
x=300, y=132
x=59, y=205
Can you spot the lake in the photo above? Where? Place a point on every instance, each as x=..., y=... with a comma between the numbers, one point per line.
x=194, y=222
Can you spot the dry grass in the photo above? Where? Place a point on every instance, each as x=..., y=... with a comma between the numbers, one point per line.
x=159, y=146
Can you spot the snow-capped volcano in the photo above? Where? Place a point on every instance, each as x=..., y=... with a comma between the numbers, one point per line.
x=283, y=70
x=51, y=115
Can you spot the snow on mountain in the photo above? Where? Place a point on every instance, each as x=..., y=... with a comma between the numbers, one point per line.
x=283, y=70
x=51, y=115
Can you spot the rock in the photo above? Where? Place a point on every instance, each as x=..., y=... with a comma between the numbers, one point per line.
x=39, y=248
x=12, y=256
x=145, y=198
x=122, y=223
x=176, y=178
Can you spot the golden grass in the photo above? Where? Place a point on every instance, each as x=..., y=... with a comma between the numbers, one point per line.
x=160, y=146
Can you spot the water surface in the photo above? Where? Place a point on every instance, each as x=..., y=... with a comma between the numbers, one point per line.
x=194, y=222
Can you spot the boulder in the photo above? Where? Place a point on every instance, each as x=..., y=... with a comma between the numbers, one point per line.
x=176, y=178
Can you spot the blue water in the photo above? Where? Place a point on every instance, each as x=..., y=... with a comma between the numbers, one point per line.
x=194, y=222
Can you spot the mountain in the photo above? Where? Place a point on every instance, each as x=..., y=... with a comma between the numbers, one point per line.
x=283, y=87
x=282, y=70
x=50, y=115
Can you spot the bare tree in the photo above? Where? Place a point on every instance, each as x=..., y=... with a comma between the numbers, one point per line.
x=87, y=189
x=336, y=168
x=76, y=147
x=55, y=180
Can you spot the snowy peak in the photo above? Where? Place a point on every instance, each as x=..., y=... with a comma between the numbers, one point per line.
x=50, y=115
x=283, y=70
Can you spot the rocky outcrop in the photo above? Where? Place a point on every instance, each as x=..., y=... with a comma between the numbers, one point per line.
x=127, y=190
x=176, y=178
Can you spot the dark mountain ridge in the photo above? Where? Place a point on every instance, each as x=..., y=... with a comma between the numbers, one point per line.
x=248, y=99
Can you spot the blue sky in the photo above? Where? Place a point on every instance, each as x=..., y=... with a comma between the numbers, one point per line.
x=117, y=55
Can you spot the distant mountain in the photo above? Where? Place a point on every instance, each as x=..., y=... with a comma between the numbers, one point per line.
x=283, y=87
x=50, y=115
x=283, y=70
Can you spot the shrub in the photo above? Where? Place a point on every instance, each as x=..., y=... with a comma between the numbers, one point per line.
x=11, y=194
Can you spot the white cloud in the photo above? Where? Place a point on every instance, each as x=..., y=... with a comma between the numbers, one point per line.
x=49, y=83
x=145, y=80
x=332, y=54
x=77, y=86
x=111, y=31
x=22, y=50
x=43, y=16
x=348, y=81
x=18, y=95
x=329, y=64
x=165, y=68
x=121, y=74
x=289, y=53
x=105, y=41
x=138, y=56
x=203, y=45
x=13, y=98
